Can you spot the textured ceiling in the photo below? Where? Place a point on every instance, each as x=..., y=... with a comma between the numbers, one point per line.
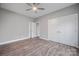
x=21, y=8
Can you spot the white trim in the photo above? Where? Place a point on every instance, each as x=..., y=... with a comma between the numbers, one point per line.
x=24, y=39
x=43, y=38
x=13, y=40
x=59, y=42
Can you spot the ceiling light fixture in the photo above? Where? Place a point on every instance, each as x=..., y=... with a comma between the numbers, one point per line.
x=34, y=8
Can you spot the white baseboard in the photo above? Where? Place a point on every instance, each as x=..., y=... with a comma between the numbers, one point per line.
x=14, y=40
x=43, y=38
x=59, y=42
x=7, y=42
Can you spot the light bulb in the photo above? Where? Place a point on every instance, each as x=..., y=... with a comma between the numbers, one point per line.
x=34, y=8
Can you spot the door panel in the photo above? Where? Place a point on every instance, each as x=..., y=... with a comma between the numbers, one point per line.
x=64, y=30
x=32, y=29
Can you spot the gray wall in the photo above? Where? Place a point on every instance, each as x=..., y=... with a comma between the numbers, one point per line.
x=78, y=23
x=13, y=26
x=60, y=13
x=43, y=27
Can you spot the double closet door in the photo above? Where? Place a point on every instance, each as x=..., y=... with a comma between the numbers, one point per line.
x=64, y=30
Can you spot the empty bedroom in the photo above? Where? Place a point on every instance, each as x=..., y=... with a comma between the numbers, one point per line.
x=39, y=29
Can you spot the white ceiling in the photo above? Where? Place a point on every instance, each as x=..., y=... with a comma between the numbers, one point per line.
x=21, y=8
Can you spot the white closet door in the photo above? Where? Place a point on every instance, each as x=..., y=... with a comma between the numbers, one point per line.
x=37, y=29
x=64, y=30
x=32, y=29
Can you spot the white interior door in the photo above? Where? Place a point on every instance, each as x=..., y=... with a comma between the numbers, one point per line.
x=64, y=30
x=32, y=29
x=37, y=29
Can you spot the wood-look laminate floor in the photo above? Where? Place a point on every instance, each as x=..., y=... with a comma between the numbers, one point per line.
x=37, y=47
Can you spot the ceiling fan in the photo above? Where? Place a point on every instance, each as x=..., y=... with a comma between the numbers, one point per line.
x=34, y=6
